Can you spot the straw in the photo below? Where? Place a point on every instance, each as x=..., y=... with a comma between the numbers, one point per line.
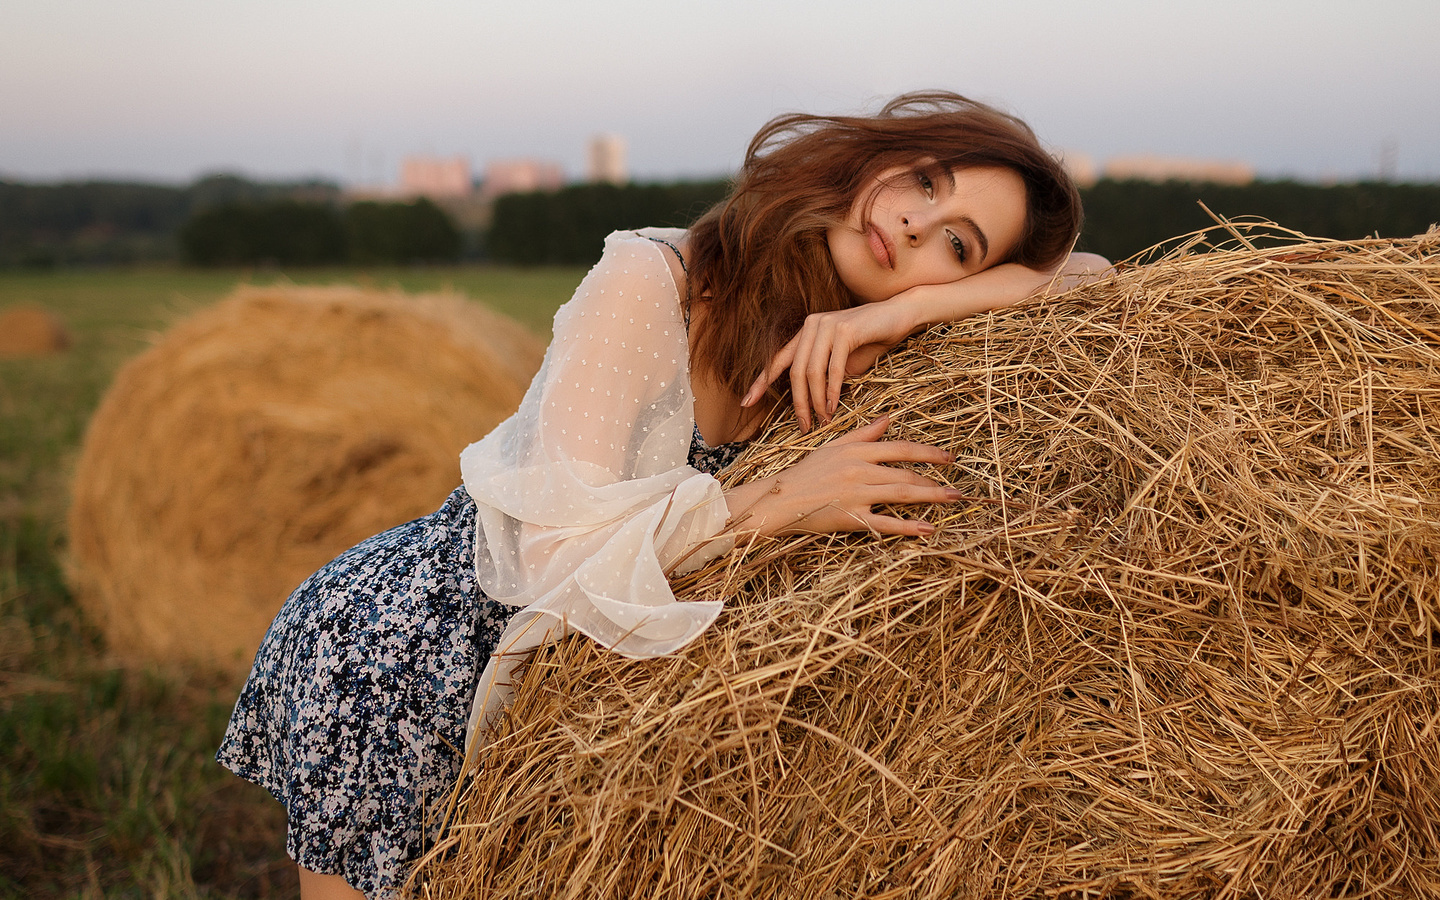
x=1180, y=642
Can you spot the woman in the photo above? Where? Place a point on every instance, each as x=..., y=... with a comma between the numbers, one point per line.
x=842, y=236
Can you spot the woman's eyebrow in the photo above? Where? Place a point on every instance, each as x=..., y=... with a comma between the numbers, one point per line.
x=980, y=237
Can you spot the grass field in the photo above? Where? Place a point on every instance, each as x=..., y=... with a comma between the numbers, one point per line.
x=107, y=783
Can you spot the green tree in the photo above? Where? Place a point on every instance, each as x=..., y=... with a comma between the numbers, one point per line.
x=1124, y=217
x=279, y=232
x=400, y=233
x=568, y=227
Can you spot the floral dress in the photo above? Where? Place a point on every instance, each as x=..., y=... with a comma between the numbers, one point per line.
x=364, y=690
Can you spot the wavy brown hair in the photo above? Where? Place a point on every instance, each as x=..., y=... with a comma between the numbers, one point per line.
x=760, y=256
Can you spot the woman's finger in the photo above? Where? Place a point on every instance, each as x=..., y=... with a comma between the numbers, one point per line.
x=893, y=525
x=887, y=476
x=776, y=367
x=757, y=390
x=913, y=494
x=876, y=451
x=839, y=363
x=799, y=387
x=865, y=433
x=817, y=365
x=879, y=451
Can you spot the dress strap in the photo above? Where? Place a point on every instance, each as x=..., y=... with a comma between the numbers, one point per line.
x=674, y=248
x=683, y=268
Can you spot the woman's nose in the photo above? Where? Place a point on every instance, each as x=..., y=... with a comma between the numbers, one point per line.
x=915, y=226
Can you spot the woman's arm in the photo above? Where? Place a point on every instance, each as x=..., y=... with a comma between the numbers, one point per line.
x=835, y=345
x=996, y=288
x=585, y=497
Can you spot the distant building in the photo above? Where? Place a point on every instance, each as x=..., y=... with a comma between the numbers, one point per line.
x=1081, y=167
x=607, y=159
x=435, y=177
x=508, y=176
x=1170, y=168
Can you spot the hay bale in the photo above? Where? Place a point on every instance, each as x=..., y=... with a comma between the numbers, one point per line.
x=1181, y=642
x=29, y=330
x=262, y=436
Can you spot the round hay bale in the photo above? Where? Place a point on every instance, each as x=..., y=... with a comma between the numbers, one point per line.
x=29, y=330
x=1182, y=641
x=261, y=437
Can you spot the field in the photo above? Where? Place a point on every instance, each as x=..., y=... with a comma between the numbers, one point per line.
x=107, y=783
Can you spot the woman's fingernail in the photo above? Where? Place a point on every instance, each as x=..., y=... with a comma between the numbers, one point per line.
x=953, y=494
x=926, y=528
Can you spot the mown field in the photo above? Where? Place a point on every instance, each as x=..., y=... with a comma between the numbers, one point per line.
x=107, y=782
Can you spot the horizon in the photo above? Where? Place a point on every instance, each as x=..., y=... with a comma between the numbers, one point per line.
x=362, y=189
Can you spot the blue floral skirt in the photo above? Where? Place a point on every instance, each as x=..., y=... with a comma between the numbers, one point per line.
x=354, y=715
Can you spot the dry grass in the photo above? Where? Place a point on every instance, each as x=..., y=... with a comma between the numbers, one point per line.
x=263, y=436
x=1180, y=643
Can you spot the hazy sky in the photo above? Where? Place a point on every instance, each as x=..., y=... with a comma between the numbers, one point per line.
x=170, y=89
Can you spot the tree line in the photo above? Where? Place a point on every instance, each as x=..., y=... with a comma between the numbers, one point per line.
x=1122, y=218
x=568, y=226
x=217, y=220
x=296, y=233
x=107, y=223
x=224, y=220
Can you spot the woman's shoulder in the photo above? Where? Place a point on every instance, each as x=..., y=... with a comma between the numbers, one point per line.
x=655, y=250
x=668, y=242
x=635, y=280
x=671, y=235
x=671, y=242
x=645, y=237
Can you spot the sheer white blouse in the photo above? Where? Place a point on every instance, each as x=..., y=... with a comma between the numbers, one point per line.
x=585, y=496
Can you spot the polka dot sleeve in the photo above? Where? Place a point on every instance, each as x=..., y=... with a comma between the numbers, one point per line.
x=586, y=498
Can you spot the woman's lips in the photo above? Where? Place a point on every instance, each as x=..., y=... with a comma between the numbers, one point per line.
x=880, y=245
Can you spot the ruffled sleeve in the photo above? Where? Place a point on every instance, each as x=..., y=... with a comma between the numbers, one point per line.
x=585, y=497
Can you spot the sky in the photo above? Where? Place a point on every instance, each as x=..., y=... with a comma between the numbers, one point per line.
x=168, y=90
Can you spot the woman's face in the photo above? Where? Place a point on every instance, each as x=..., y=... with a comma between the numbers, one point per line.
x=927, y=229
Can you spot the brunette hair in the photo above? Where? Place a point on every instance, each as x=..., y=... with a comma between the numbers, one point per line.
x=761, y=257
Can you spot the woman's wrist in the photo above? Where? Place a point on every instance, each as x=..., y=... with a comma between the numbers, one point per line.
x=747, y=511
x=917, y=306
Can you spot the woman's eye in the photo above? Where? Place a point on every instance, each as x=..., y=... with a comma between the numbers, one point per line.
x=959, y=247
x=926, y=184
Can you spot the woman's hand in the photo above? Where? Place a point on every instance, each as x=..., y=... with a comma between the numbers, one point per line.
x=831, y=347
x=835, y=486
